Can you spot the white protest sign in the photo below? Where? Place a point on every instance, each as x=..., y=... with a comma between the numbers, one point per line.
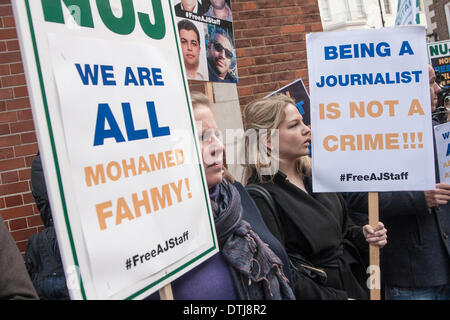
x=442, y=134
x=370, y=110
x=117, y=138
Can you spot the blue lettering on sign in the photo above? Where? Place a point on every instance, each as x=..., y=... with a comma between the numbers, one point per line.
x=300, y=107
x=132, y=133
x=143, y=76
x=406, y=48
x=106, y=119
x=448, y=150
x=358, y=50
x=90, y=75
x=105, y=116
x=157, y=131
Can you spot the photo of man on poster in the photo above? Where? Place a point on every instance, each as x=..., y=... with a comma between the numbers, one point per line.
x=221, y=56
x=219, y=9
x=193, y=6
x=191, y=46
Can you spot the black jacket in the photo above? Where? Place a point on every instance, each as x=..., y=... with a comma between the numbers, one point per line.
x=316, y=228
x=418, y=250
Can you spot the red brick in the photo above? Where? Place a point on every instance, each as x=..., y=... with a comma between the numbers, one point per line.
x=246, y=62
x=4, y=70
x=9, y=33
x=6, y=93
x=23, y=234
x=24, y=115
x=13, y=81
x=26, y=150
x=6, y=11
x=6, y=117
x=29, y=160
x=28, y=198
x=11, y=164
x=18, y=224
x=34, y=221
x=6, y=153
x=8, y=141
x=13, y=201
x=16, y=68
x=22, y=126
x=8, y=22
x=21, y=103
x=292, y=29
x=12, y=213
x=28, y=137
x=20, y=92
x=24, y=174
x=10, y=176
x=13, y=188
x=245, y=91
x=9, y=57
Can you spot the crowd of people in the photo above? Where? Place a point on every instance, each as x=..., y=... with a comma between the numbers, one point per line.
x=277, y=238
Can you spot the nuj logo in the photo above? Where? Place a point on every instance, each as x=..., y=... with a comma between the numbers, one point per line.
x=124, y=25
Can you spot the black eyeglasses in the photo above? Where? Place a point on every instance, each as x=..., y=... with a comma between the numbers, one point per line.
x=219, y=47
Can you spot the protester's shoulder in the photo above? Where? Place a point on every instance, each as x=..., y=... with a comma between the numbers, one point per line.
x=245, y=196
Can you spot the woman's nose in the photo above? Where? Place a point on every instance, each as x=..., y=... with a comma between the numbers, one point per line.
x=306, y=130
x=217, y=143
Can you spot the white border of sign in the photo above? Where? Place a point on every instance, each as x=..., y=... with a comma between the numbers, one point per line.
x=56, y=165
x=339, y=166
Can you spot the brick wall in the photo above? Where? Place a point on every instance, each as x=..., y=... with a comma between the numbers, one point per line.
x=17, y=137
x=270, y=42
x=440, y=19
x=271, y=50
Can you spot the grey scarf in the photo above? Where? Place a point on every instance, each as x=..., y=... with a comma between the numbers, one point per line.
x=258, y=266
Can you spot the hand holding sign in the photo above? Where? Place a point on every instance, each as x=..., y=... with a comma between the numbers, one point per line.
x=376, y=236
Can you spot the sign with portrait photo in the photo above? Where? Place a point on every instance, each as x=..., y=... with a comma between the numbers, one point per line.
x=206, y=34
x=297, y=91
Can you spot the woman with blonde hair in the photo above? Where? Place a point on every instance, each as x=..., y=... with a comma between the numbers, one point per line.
x=252, y=263
x=326, y=249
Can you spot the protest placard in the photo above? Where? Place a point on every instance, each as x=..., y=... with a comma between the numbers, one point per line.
x=442, y=134
x=207, y=38
x=116, y=134
x=439, y=55
x=297, y=91
x=370, y=110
